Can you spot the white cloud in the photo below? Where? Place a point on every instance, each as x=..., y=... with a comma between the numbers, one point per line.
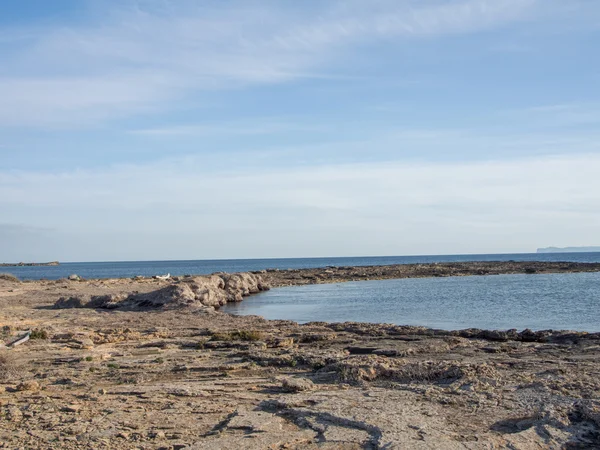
x=393, y=208
x=134, y=60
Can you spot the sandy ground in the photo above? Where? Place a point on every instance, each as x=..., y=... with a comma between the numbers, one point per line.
x=198, y=378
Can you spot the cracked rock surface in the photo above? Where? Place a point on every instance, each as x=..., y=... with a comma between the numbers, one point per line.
x=191, y=377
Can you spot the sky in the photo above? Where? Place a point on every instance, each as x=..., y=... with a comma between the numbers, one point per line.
x=164, y=129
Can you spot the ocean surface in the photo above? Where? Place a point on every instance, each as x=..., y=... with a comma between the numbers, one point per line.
x=541, y=301
x=124, y=269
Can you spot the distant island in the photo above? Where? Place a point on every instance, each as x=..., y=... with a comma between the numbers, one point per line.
x=568, y=250
x=22, y=264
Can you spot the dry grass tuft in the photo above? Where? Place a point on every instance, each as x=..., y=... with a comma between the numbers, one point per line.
x=39, y=333
x=9, y=277
x=243, y=335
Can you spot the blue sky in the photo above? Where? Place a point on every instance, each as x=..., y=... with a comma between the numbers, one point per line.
x=162, y=129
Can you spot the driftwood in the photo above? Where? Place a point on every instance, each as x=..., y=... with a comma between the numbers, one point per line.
x=162, y=277
x=20, y=340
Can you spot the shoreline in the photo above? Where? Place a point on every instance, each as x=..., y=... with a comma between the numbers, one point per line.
x=149, y=365
x=32, y=264
x=338, y=274
x=296, y=277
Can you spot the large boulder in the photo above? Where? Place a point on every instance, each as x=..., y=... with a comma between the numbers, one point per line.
x=210, y=290
x=205, y=291
x=173, y=296
x=239, y=285
x=69, y=302
x=109, y=301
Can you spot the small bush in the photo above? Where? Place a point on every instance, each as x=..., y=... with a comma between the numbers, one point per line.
x=221, y=337
x=6, y=331
x=244, y=335
x=112, y=366
x=251, y=335
x=89, y=358
x=9, y=277
x=38, y=334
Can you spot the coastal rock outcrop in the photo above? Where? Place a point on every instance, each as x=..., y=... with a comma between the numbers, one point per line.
x=204, y=291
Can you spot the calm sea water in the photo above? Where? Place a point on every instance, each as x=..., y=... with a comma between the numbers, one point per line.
x=543, y=301
x=147, y=268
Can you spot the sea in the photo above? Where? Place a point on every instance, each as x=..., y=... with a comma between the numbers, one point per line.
x=539, y=301
x=125, y=269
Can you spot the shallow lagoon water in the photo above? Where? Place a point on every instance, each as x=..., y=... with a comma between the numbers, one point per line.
x=541, y=301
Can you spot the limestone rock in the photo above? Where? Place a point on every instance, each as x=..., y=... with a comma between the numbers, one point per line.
x=109, y=301
x=198, y=292
x=28, y=386
x=176, y=295
x=297, y=384
x=70, y=302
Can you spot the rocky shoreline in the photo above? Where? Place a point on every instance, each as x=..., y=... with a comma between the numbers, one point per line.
x=24, y=264
x=291, y=277
x=151, y=364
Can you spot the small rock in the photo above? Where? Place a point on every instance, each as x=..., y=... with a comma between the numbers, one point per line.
x=156, y=434
x=84, y=343
x=297, y=384
x=14, y=414
x=282, y=342
x=28, y=386
x=102, y=391
x=72, y=408
x=74, y=277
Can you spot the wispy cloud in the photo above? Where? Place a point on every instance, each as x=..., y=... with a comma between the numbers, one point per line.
x=558, y=115
x=262, y=126
x=155, y=54
x=394, y=207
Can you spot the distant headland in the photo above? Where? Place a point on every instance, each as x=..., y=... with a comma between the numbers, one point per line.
x=23, y=264
x=568, y=250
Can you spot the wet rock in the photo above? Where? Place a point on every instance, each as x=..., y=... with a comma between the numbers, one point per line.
x=495, y=335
